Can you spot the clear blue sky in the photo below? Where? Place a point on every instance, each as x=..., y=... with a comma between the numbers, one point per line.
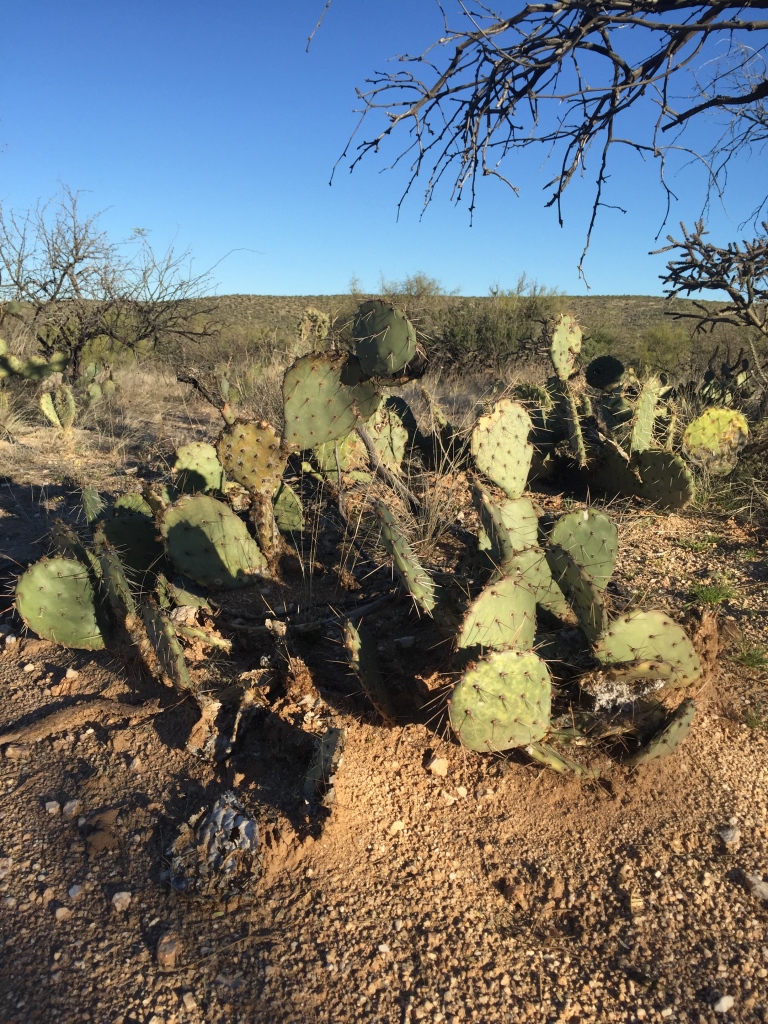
x=209, y=125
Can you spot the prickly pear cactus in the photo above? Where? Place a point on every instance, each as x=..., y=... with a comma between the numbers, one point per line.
x=324, y=397
x=210, y=544
x=253, y=455
x=669, y=736
x=531, y=566
x=565, y=345
x=647, y=636
x=415, y=579
x=165, y=644
x=388, y=434
x=592, y=541
x=665, y=480
x=197, y=469
x=286, y=506
x=714, y=440
x=604, y=372
x=502, y=616
x=500, y=447
x=386, y=340
x=503, y=701
x=644, y=415
x=581, y=592
x=361, y=648
x=507, y=527
x=56, y=598
x=134, y=536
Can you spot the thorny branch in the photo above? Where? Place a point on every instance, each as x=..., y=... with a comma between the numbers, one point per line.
x=565, y=74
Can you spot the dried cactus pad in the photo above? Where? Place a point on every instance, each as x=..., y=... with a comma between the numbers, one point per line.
x=414, y=577
x=715, y=439
x=324, y=396
x=500, y=446
x=668, y=738
x=566, y=345
x=649, y=636
x=386, y=340
x=361, y=648
x=501, y=702
x=503, y=615
x=210, y=544
x=56, y=598
x=592, y=541
x=253, y=455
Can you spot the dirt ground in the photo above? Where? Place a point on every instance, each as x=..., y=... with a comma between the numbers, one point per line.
x=439, y=886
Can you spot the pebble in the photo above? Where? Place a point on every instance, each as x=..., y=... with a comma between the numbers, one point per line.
x=168, y=949
x=72, y=808
x=29, y=667
x=52, y=806
x=724, y=1004
x=11, y=639
x=758, y=887
x=462, y=791
x=190, y=1003
x=135, y=765
x=71, y=673
x=396, y=826
x=5, y=866
x=18, y=751
x=63, y=913
x=121, y=900
x=75, y=892
x=731, y=836
x=439, y=766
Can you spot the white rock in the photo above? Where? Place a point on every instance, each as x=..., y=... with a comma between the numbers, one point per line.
x=396, y=826
x=731, y=836
x=758, y=887
x=724, y=1004
x=75, y=892
x=72, y=808
x=52, y=806
x=30, y=667
x=71, y=673
x=439, y=766
x=121, y=900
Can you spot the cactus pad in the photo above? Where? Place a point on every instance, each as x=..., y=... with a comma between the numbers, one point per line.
x=503, y=701
x=361, y=648
x=664, y=479
x=500, y=446
x=210, y=544
x=165, y=644
x=508, y=526
x=584, y=597
x=133, y=535
x=386, y=340
x=502, y=616
x=669, y=736
x=565, y=346
x=324, y=396
x=592, y=541
x=532, y=567
x=604, y=372
x=56, y=598
x=644, y=415
x=252, y=454
x=714, y=440
x=289, y=515
x=649, y=636
x=197, y=469
x=415, y=579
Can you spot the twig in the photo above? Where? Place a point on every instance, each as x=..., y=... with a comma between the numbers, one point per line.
x=387, y=475
x=310, y=627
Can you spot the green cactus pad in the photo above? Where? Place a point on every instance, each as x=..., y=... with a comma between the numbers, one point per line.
x=644, y=415
x=133, y=535
x=167, y=649
x=592, y=541
x=503, y=701
x=286, y=505
x=209, y=543
x=502, y=616
x=92, y=504
x=665, y=480
x=345, y=454
x=389, y=435
x=415, y=579
x=197, y=469
x=565, y=346
x=361, y=648
x=132, y=501
x=649, y=636
x=584, y=597
x=253, y=455
x=615, y=410
x=386, y=340
x=48, y=410
x=714, y=440
x=668, y=738
x=558, y=762
x=604, y=372
x=56, y=598
x=508, y=526
x=324, y=396
x=500, y=447
x=532, y=567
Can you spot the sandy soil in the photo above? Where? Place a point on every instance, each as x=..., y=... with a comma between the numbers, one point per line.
x=439, y=886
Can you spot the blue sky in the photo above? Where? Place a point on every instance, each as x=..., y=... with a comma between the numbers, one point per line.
x=211, y=127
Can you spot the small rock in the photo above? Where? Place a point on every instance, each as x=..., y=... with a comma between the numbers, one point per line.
x=18, y=751
x=447, y=798
x=757, y=886
x=71, y=673
x=439, y=766
x=5, y=866
x=667, y=1011
x=75, y=892
x=731, y=836
x=29, y=667
x=462, y=791
x=168, y=949
x=11, y=639
x=9, y=901
x=121, y=900
x=52, y=806
x=724, y=1004
x=190, y=1003
x=72, y=808
x=135, y=765
x=395, y=827
x=63, y=913
x=383, y=947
